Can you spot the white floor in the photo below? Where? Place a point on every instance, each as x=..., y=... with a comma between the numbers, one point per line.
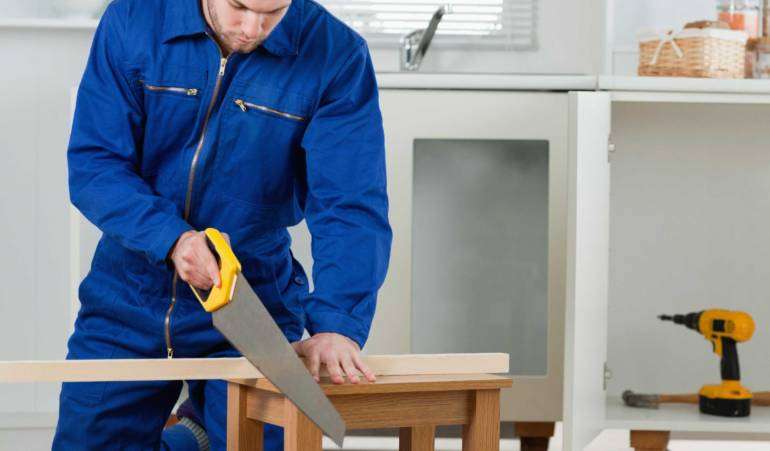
x=613, y=440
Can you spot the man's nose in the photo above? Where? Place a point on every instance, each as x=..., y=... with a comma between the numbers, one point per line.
x=252, y=25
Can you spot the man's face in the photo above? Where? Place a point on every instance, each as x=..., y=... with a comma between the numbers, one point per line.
x=242, y=25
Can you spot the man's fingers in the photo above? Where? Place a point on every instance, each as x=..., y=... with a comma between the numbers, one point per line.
x=189, y=275
x=350, y=370
x=212, y=269
x=207, y=263
x=315, y=366
x=335, y=372
x=196, y=278
x=368, y=373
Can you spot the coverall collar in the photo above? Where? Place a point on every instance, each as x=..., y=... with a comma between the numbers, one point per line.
x=184, y=18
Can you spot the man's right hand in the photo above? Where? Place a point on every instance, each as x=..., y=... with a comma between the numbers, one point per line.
x=194, y=261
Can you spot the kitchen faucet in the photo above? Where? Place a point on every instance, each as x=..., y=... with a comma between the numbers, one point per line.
x=415, y=44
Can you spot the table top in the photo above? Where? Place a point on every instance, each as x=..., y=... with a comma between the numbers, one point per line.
x=401, y=384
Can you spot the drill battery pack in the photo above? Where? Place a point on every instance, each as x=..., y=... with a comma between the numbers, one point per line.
x=725, y=407
x=729, y=399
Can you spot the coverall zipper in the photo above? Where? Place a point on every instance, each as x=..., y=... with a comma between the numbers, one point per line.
x=186, y=91
x=244, y=106
x=190, y=181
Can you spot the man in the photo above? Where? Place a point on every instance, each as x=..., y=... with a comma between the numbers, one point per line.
x=246, y=116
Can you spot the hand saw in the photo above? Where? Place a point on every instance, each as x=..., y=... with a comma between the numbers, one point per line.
x=240, y=316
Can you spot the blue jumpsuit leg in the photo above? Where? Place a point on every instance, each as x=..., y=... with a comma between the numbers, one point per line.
x=111, y=415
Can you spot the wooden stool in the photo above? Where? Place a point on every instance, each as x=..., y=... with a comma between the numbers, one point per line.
x=415, y=404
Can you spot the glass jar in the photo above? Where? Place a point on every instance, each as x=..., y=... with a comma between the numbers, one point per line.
x=762, y=63
x=741, y=15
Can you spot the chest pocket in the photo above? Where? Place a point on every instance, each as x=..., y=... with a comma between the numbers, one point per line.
x=172, y=104
x=262, y=128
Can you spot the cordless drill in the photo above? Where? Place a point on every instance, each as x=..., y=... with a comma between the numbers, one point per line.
x=723, y=328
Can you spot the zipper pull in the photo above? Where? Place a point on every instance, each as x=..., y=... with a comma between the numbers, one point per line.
x=241, y=104
x=192, y=92
x=170, y=353
x=222, y=62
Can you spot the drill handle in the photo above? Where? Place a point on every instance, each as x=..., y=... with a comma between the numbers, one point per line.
x=729, y=364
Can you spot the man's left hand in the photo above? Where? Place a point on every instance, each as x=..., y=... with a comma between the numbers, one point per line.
x=340, y=354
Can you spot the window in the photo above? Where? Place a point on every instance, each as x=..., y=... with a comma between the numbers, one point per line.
x=507, y=24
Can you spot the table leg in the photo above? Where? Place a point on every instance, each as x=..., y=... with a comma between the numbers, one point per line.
x=417, y=438
x=482, y=433
x=299, y=433
x=650, y=440
x=242, y=433
x=534, y=436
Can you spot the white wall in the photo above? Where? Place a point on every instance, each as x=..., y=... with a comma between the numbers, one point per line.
x=39, y=69
x=570, y=35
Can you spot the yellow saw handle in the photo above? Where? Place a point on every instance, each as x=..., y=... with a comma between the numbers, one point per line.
x=229, y=268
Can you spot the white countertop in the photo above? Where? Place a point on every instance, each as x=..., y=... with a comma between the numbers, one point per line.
x=685, y=90
x=683, y=84
x=50, y=23
x=523, y=82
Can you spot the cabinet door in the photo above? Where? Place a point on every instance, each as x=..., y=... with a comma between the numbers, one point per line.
x=587, y=268
x=477, y=190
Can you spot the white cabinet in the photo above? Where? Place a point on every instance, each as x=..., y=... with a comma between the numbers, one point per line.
x=499, y=208
x=689, y=220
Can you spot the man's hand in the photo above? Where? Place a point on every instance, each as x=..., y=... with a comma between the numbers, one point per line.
x=194, y=261
x=340, y=354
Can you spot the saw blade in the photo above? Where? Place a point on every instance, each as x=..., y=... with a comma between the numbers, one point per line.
x=247, y=324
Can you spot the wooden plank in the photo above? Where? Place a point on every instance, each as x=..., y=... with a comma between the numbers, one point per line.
x=126, y=370
x=402, y=384
x=232, y=368
x=413, y=364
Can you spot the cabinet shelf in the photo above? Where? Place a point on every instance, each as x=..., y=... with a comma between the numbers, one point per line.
x=682, y=418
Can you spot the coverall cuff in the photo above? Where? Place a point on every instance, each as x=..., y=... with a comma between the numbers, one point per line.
x=160, y=248
x=338, y=323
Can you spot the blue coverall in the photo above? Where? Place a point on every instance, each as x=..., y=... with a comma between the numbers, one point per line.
x=169, y=136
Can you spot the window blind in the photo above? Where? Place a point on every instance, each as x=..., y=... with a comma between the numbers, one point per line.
x=510, y=24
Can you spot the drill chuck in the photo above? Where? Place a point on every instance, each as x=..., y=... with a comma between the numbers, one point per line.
x=691, y=320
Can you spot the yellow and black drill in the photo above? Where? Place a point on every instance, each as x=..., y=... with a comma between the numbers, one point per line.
x=723, y=328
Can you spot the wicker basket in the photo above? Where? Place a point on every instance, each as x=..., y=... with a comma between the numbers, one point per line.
x=707, y=53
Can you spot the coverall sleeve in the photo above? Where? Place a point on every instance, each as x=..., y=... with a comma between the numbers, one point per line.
x=346, y=207
x=104, y=154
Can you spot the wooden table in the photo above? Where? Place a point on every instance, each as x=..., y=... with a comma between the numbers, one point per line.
x=413, y=392
x=416, y=404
